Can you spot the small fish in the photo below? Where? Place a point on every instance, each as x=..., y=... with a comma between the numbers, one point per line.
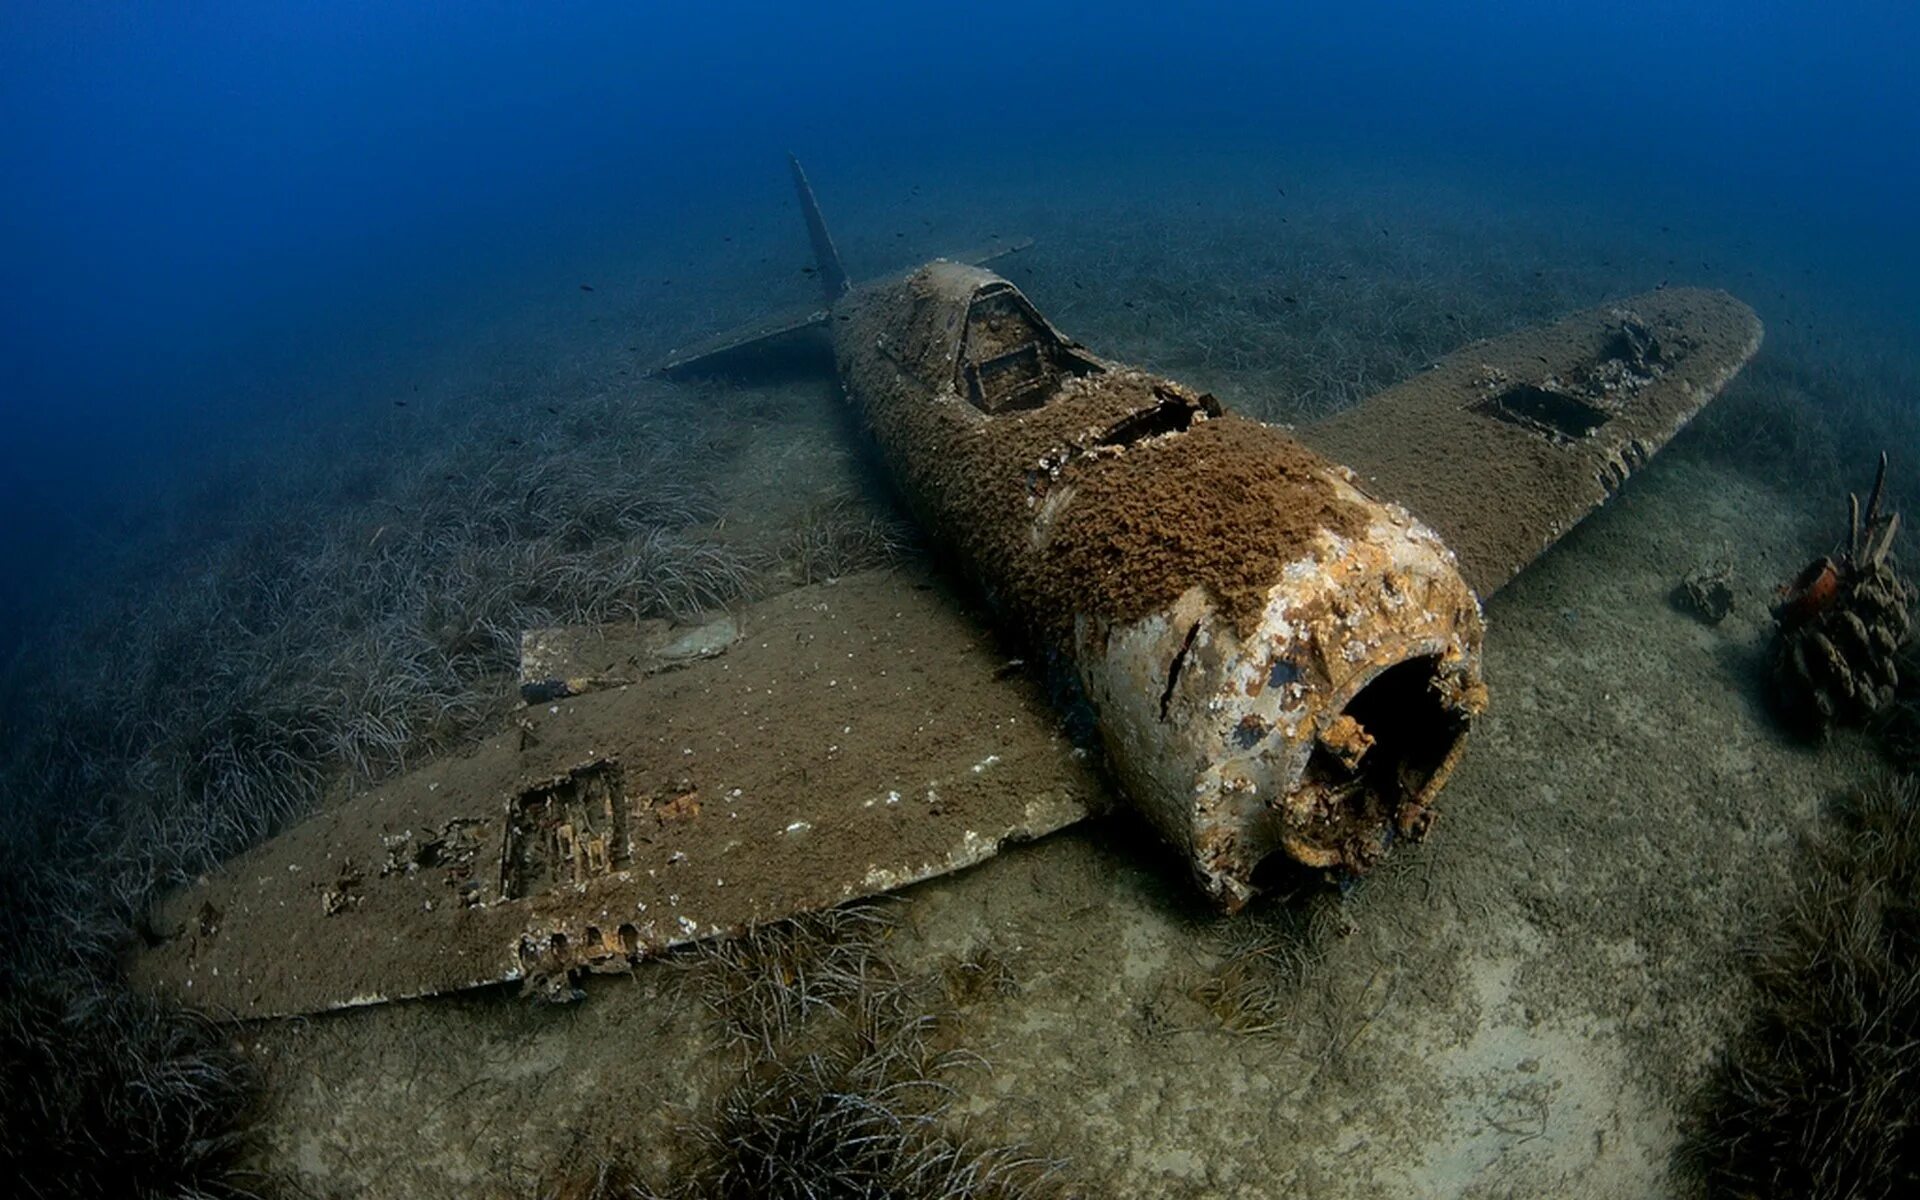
x=809, y=270
x=1289, y=299
x=553, y=410
x=399, y=403
x=586, y=287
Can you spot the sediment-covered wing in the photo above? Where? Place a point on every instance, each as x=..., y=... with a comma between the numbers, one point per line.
x=856, y=738
x=1506, y=444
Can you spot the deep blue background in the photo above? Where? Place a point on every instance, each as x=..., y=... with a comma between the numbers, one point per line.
x=193, y=195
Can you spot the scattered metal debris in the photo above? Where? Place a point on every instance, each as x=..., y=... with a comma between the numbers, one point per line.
x=1707, y=591
x=572, y=660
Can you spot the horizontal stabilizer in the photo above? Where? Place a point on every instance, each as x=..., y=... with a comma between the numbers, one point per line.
x=767, y=335
x=1505, y=445
x=999, y=248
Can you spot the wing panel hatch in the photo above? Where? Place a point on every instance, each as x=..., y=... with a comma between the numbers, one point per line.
x=1505, y=445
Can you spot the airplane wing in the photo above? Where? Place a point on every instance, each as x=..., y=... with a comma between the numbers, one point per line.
x=857, y=737
x=1504, y=445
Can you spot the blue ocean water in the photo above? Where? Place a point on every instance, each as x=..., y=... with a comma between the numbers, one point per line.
x=211, y=216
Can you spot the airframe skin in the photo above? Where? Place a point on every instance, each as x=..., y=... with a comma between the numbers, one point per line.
x=1275, y=633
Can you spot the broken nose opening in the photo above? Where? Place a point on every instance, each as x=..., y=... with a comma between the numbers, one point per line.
x=1374, y=769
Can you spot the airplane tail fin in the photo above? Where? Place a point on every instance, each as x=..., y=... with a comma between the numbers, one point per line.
x=832, y=276
x=790, y=327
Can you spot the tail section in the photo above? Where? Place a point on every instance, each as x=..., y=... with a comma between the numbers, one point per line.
x=790, y=328
x=833, y=276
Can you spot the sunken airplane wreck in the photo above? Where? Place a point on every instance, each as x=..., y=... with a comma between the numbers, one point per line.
x=1277, y=634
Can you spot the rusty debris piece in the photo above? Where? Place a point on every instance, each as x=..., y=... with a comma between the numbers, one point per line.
x=1707, y=591
x=857, y=738
x=1280, y=654
x=572, y=660
x=1842, y=623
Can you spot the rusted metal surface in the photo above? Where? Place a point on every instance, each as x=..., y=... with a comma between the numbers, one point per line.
x=1277, y=661
x=1325, y=734
x=859, y=737
x=1505, y=445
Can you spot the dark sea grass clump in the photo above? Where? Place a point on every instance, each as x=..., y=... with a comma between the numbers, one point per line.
x=110, y=1094
x=1821, y=1095
x=847, y=1073
x=838, y=536
x=333, y=618
x=861, y=1116
x=103, y=1092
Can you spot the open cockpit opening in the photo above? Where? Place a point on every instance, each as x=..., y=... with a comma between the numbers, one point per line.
x=1011, y=359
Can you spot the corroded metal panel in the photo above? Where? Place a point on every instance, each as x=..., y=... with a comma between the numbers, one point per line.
x=1505, y=445
x=857, y=738
x=1277, y=661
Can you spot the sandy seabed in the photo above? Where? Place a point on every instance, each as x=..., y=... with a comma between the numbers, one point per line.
x=1523, y=1005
